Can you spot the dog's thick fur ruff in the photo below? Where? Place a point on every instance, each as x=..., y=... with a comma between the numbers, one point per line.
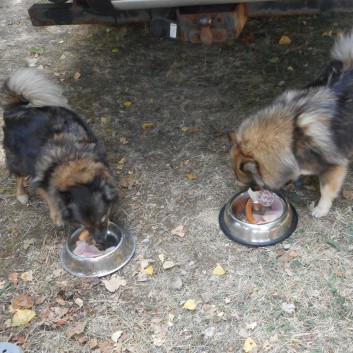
x=303, y=132
x=45, y=140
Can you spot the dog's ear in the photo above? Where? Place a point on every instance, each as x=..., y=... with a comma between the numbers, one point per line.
x=232, y=137
x=251, y=167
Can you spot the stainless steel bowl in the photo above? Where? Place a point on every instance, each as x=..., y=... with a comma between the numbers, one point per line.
x=122, y=251
x=232, y=223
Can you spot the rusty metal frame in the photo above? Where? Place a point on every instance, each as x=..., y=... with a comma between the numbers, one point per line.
x=212, y=23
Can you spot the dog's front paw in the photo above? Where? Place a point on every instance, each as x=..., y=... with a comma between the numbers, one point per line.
x=321, y=210
x=23, y=199
x=57, y=220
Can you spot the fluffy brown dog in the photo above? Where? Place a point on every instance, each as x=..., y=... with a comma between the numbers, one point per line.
x=45, y=140
x=302, y=132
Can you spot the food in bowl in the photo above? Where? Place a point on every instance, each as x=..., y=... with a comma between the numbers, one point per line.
x=87, y=247
x=258, y=207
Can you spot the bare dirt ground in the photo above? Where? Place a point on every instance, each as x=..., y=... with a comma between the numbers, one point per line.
x=295, y=296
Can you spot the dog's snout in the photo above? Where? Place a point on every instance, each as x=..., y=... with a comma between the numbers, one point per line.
x=99, y=233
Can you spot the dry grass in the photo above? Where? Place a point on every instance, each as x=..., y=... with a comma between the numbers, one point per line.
x=177, y=85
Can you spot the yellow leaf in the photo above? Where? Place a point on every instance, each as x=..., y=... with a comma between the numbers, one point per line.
x=149, y=270
x=218, y=270
x=147, y=125
x=127, y=104
x=249, y=345
x=190, y=305
x=191, y=176
x=115, y=50
x=284, y=40
x=22, y=317
x=185, y=129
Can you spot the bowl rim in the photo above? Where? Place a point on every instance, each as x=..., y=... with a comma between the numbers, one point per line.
x=229, y=234
x=126, y=236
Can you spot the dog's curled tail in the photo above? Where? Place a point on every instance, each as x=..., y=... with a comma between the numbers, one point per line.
x=31, y=88
x=342, y=50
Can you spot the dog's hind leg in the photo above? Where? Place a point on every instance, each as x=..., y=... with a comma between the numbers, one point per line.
x=21, y=195
x=330, y=184
x=54, y=212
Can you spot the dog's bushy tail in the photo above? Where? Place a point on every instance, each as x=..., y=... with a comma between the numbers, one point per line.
x=342, y=50
x=31, y=88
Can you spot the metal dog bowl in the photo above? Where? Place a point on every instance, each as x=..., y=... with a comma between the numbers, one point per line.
x=122, y=251
x=231, y=220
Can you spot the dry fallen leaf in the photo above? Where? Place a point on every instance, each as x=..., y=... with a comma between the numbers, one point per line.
x=22, y=302
x=168, y=264
x=55, y=316
x=93, y=343
x=161, y=257
x=185, y=129
x=249, y=345
x=13, y=277
x=311, y=206
x=116, y=335
x=27, y=276
x=288, y=308
x=147, y=125
x=123, y=140
x=79, y=302
x=127, y=182
x=114, y=283
x=107, y=347
x=190, y=304
x=149, y=270
x=218, y=270
x=145, y=262
x=348, y=195
x=251, y=326
x=22, y=317
x=121, y=163
x=327, y=34
x=104, y=119
x=115, y=50
x=77, y=329
x=284, y=40
x=179, y=231
x=77, y=75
